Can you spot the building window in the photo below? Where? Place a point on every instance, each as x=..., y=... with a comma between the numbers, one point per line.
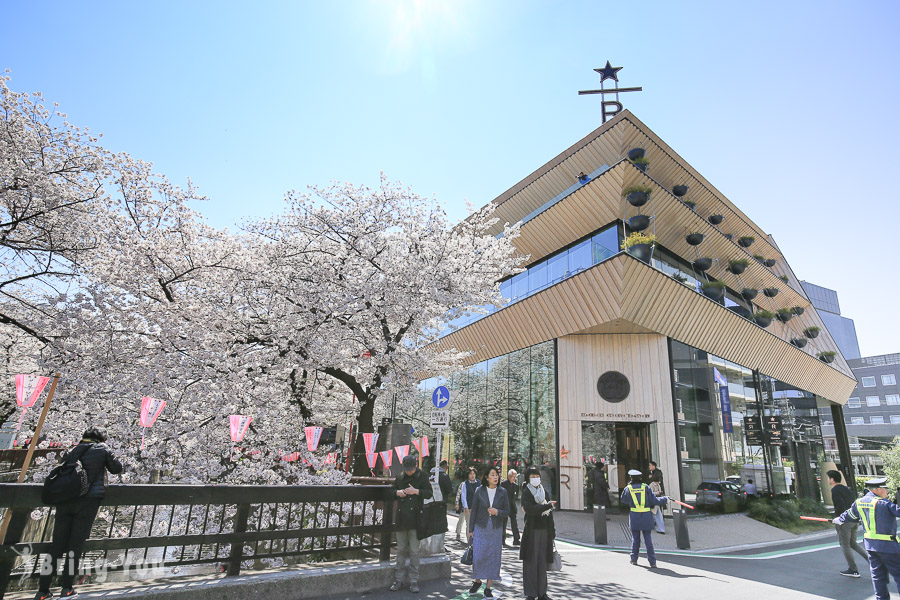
x=857, y=421
x=873, y=401
x=877, y=420
x=868, y=381
x=892, y=399
x=888, y=379
x=827, y=423
x=895, y=419
x=853, y=403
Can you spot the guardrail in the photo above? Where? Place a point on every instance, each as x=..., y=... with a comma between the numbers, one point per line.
x=154, y=527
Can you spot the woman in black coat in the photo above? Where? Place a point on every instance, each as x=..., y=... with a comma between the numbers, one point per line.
x=537, y=536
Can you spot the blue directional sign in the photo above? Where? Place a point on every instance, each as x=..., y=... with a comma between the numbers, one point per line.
x=441, y=397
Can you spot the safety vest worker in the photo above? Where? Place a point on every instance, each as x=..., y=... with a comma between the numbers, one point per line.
x=640, y=499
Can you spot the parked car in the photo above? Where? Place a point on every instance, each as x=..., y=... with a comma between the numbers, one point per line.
x=725, y=496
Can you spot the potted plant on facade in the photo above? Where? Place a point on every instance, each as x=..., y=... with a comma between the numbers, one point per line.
x=714, y=290
x=784, y=314
x=798, y=310
x=639, y=222
x=641, y=164
x=637, y=195
x=679, y=277
x=702, y=264
x=771, y=292
x=679, y=190
x=799, y=342
x=738, y=265
x=740, y=310
x=763, y=318
x=639, y=245
x=745, y=241
x=716, y=219
x=770, y=262
x=827, y=356
x=694, y=239
x=760, y=258
x=811, y=332
x=728, y=236
x=749, y=293
x=636, y=153
x=690, y=204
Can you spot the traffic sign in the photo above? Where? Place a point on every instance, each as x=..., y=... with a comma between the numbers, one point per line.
x=440, y=419
x=440, y=397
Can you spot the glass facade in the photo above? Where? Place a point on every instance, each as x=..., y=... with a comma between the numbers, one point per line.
x=503, y=413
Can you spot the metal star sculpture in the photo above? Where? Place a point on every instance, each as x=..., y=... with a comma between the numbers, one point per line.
x=609, y=72
x=610, y=107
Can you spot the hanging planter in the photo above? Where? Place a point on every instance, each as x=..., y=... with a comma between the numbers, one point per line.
x=745, y=241
x=640, y=245
x=694, y=239
x=714, y=290
x=771, y=292
x=702, y=264
x=811, y=332
x=690, y=204
x=641, y=164
x=785, y=314
x=749, y=293
x=636, y=195
x=827, y=356
x=763, y=318
x=760, y=258
x=639, y=222
x=679, y=190
x=799, y=342
x=740, y=310
x=716, y=219
x=636, y=153
x=784, y=278
x=738, y=265
x=770, y=262
x=798, y=310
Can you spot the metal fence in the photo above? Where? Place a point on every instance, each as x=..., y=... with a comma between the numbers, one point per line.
x=147, y=531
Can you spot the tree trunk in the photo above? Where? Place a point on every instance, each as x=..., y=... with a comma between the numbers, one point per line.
x=364, y=424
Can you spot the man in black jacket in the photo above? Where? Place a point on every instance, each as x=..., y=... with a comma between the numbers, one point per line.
x=411, y=487
x=512, y=492
x=601, y=485
x=843, y=498
x=75, y=518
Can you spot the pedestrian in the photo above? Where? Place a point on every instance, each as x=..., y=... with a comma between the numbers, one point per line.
x=879, y=520
x=445, y=486
x=537, y=535
x=411, y=487
x=601, y=485
x=489, y=509
x=654, y=470
x=656, y=488
x=843, y=498
x=464, y=497
x=640, y=499
x=512, y=492
x=547, y=478
x=74, y=518
x=750, y=489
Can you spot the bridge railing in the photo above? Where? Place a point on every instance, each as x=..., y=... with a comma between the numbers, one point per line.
x=149, y=531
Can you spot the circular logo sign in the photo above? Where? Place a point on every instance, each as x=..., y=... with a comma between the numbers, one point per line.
x=613, y=386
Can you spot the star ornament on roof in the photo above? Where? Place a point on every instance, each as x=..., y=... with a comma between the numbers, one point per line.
x=609, y=72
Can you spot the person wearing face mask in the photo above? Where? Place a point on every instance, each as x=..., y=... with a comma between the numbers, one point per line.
x=537, y=535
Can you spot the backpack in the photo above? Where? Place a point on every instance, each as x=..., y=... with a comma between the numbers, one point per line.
x=67, y=481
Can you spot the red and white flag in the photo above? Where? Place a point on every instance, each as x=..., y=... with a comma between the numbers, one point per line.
x=239, y=425
x=313, y=435
x=28, y=390
x=401, y=451
x=290, y=456
x=370, y=440
x=150, y=410
x=332, y=457
x=421, y=445
x=386, y=457
x=371, y=457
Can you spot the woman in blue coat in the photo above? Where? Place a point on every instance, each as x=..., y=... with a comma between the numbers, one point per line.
x=640, y=499
x=489, y=507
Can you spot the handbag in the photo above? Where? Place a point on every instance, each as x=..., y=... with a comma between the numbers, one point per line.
x=468, y=557
x=555, y=563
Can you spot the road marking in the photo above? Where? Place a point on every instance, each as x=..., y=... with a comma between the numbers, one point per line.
x=760, y=556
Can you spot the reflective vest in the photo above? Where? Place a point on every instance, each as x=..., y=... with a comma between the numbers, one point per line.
x=866, y=510
x=639, y=497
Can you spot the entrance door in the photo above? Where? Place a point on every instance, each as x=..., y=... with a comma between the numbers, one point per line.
x=632, y=449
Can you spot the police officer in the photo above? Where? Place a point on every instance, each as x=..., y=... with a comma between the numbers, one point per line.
x=640, y=499
x=879, y=521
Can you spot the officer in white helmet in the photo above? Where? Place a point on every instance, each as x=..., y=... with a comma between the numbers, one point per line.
x=879, y=520
x=638, y=496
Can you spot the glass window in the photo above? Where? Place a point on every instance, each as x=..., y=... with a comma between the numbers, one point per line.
x=868, y=381
x=605, y=244
x=892, y=399
x=877, y=420
x=888, y=380
x=506, y=289
x=895, y=419
x=557, y=267
x=537, y=277
x=857, y=421
x=853, y=403
x=580, y=257
x=827, y=423
x=873, y=401
x=520, y=285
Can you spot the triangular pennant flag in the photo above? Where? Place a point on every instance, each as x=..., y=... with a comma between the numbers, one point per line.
x=313, y=435
x=424, y=450
x=371, y=458
x=402, y=451
x=418, y=445
x=239, y=425
x=370, y=440
x=386, y=457
x=28, y=390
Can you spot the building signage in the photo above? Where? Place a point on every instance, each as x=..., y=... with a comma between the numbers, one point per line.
x=725, y=401
x=753, y=430
x=613, y=386
x=774, y=430
x=616, y=416
x=610, y=107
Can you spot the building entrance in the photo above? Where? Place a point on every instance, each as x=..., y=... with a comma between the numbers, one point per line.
x=621, y=446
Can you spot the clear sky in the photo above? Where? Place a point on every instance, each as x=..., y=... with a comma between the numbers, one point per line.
x=790, y=109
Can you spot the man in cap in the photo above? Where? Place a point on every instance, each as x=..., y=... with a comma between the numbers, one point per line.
x=411, y=487
x=638, y=497
x=879, y=520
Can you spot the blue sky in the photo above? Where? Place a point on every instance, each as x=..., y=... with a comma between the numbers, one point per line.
x=788, y=108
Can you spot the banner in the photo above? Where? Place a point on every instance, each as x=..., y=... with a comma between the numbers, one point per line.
x=239, y=425
x=28, y=390
x=421, y=445
x=401, y=451
x=370, y=440
x=386, y=457
x=332, y=457
x=313, y=435
x=150, y=410
x=725, y=400
x=371, y=458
